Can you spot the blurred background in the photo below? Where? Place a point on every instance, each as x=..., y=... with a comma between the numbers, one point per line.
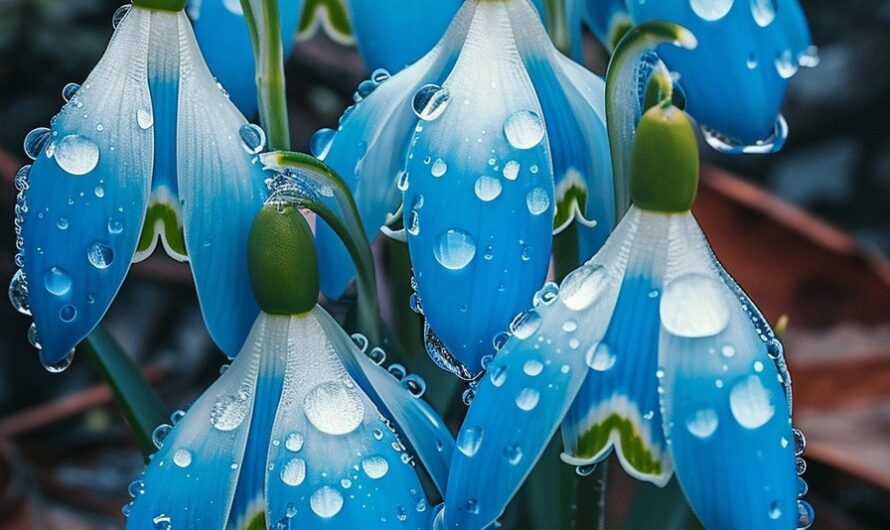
x=806, y=231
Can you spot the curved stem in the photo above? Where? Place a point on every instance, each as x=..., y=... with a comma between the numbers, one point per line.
x=264, y=26
x=623, y=97
x=558, y=25
x=161, y=5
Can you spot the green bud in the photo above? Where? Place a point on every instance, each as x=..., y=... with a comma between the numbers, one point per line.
x=281, y=261
x=161, y=5
x=664, y=163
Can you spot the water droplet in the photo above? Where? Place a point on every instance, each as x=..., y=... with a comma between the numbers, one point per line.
x=58, y=366
x=802, y=487
x=513, y=454
x=775, y=511
x=321, y=142
x=57, y=281
x=525, y=324
x=69, y=90
x=711, y=9
x=786, y=65
x=377, y=355
x=375, y=466
x=468, y=396
x=230, y=410
x=581, y=287
x=439, y=168
x=62, y=223
x=455, y=249
x=182, y=458
x=801, y=465
x=469, y=439
x=600, y=357
x=397, y=371
x=413, y=225
x=119, y=15
x=402, y=183
x=361, y=342
x=585, y=471
x=728, y=351
x=144, y=118
x=35, y=141
x=77, y=154
x=805, y=515
x=326, y=502
x=752, y=61
x=162, y=522
x=533, y=367
x=800, y=442
x=136, y=488
x=294, y=442
x=569, y=326
x=430, y=102
x=488, y=188
x=524, y=129
x=764, y=12
x=380, y=75
x=99, y=191
x=67, y=313
x=415, y=385
x=511, y=170
x=100, y=255
x=751, y=403
x=694, y=306
x=702, y=423
x=253, y=138
x=115, y=226
x=546, y=295
x=18, y=293
x=499, y=376
x=332, y=408
x=528, y=399
x=294, y=472
x=537, y=200
x=159, y=434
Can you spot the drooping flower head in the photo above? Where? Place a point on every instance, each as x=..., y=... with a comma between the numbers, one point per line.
x=148, y=149
x=303, y=430
x=650, y=350
x=498, y=140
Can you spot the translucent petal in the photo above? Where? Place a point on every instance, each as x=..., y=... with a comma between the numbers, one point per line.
x=726, y=415
x=334, y=462
x=221, y=188
x=736, y=78
x=89, y=188
x=479, y=238
x=221, y=31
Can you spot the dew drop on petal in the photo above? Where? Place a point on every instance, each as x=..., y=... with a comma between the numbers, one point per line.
x=35, y=141
x=487, y=188
x=332, y=408
x=600, y=357
x=711, y=9
x=18, y=293
x=321, y=142
x=77, y=154
x=375, y=466
x=805, y=515
x=440, y=167
x=294, y=442
x=582, y=286
x=537, y=200
x=67, y=313
x=513, y=454
x=511, y=170
x=62, y=223
x=403, y=181
x=525, y=324
x=293, y=473
x=253, y=138
x=499, y=376
x=533, y=367
x=786, y=65
x=751, y=403
x=524, y=129
x=702, y=423
x=430, y=102
x=775, y=511
x=100, y=255
x=455, y=249
x=326, y=502
x=57, y=281
x=528, y=399
x=182, y=458
x=144, y=118
x=764, y=12
x=119, y=15
x=69, y=90
x=694, y=306
x=229, y=411
x=469, y=439
x=115, y=226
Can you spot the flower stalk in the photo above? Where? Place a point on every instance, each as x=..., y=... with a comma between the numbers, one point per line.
x=558, y=25
x=161, y=5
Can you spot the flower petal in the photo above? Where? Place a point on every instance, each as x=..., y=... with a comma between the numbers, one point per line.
x=421, y=427
x=191, y=480
x=607, y=19
x=334, y=462
x=89, y=188
x=725, y=410
x=221, y=188
x=479, y=203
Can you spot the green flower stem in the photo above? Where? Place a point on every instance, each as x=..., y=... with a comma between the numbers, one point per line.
x=264, y=26
x=558, y=25
x=664, y=508
x=161, y=5
x=142, y=407
x=623, y=100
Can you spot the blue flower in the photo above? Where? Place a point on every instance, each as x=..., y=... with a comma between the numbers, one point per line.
x=489, y=142
x=608, y=19
x=222, y=34
x=650, y=350
x=148, y=149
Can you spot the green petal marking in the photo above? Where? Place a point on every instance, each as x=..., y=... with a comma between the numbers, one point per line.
x=571, y=197
x=257, y=523
x=331, y=16
x=633, y=447
x=162, y=222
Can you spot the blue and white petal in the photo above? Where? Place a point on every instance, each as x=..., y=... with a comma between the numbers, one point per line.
x=608, y=19
x=617, y=408
x=528, y=389
x=191, y=481
x=334, y=462
x=89, y=188
x=221, y=31
x=221, y=189
x=736, y=78
x=725, y=412
x=479, y=204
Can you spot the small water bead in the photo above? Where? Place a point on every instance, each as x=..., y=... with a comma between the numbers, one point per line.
x=703, y=423
x=332, y=408
x=253, y=138
x=62, y=223
x=694, y=306
x=380, y=75
x=751, y=403
x=525, y=324
x=159, y=434
x=415, y=385
x=18, y=293
x=511, y=170
x=525, y=252
x=524, y=129
x=569, y=326
x=402, y=182
x=800, y=465
x=786, y=66
x=361, y=342
x=294, y=472
x=76, y=154
x=546, y=295
x=182, y=458
x=69, y=90
x=326, y=502
x=162, y=522
x=763, y=11
x=397, y=371
x=375, y=466
x=468, y=396
x=728, y=351
x=136, y=488
x=498, y=376
x=775, y=511
x=802, y=487
x=600, y=357
x=439, y=168
x=115, y=226
x=294, y=442
x=321, y=142
x=57, y=281
x=500, y=340
x=800, y=442
x=585, y=471
x=413, y=225
x=67, y=313
x=229, y=411
x=144, y=118
x=711, y=9
x=488, y=188
x=537, y=201
x=455, y=249
x=377, y=355
x=99, y=191
x=805, y=515
x=21, y=178
x=533, y=367
x=528, y=399
x=430, y=102
x=752, y=61
x=100, y=255
x=774, y=349
x=377, y=434
x=119, y=15
x=469, y=440
x=35, y=141
x=581, y=287
x=513, y=454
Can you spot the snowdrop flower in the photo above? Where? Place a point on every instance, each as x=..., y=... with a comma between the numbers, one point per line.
x=148, y=149
x=303, y=430
x=490, y=142
x=650, y=350
x=221, y=31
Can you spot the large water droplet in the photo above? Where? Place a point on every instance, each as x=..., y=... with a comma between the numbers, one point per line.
x=144, y=118
x=702, y=423
x=711, y=9
x=332, y=408
x=524, y=129
x=581, y=287
x=469, y=439
x=439, y=168
x=537, y=200
x=119, y=15
x=182, y=458
x=57, y=281
x=528, y=399
x=764, y=12
x=326, y=502
x=18, y=293
x=294, y=472
x=805, y=515
x=488, y=188
x=375, y=466
x=253, y=138
x=455, y=249
x=77, y=154
x=58, y=366
x=229, y=411
x=321, y=142
x=100, y=255
x=430, y=102
x=525, y=324
x=694, y=306
x=600, y=357
x=751, y=403
x=786, y=64
x=35, y=141
x=533, y=367
x=511, y=170
x=69, y=90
